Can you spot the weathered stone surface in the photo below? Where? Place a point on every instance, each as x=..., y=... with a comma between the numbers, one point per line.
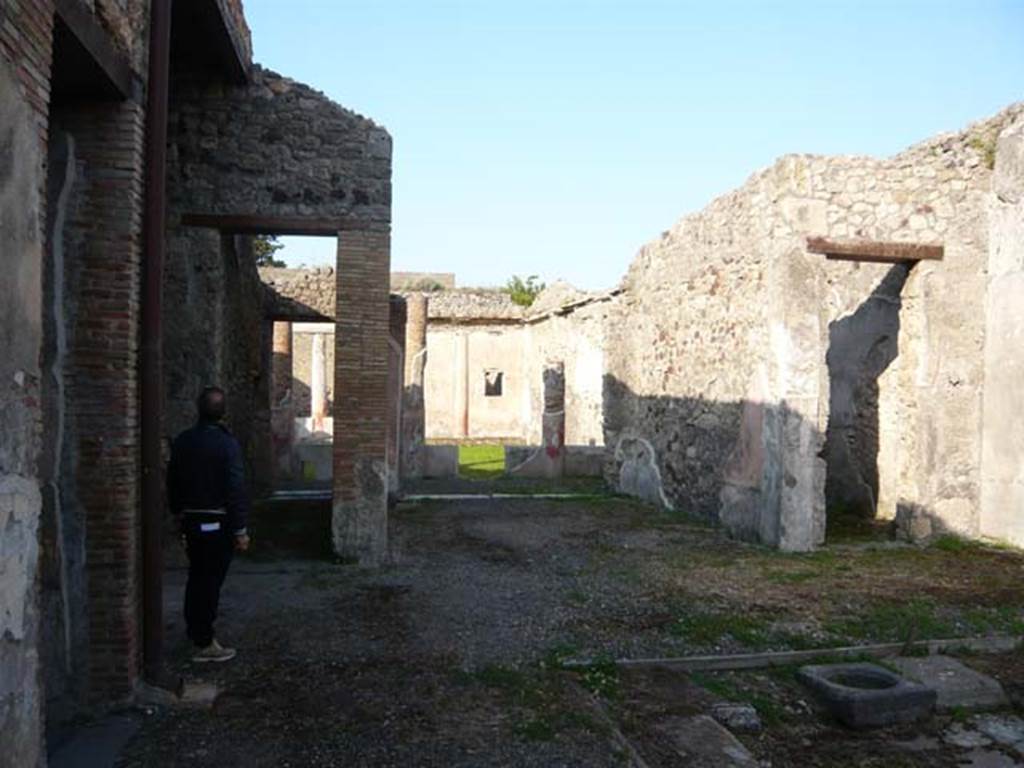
x=722, y=369
x=549, y=460
x=1002, y=483
x=742, y=718
x=957, y=685
x=1007, y=730
x=20, y=503
x=703, y=743
x=864, y=695
x=441, y=461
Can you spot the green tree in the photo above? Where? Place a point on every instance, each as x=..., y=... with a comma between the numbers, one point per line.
x=263, y=249
x=524, y=292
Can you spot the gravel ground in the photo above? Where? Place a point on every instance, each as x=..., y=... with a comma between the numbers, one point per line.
x=444, y=657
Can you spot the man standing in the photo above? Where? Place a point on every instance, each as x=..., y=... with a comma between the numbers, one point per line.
x=206, y=491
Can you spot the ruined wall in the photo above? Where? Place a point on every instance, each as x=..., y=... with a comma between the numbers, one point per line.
x=1002, y=477
x=575, y=337
x=718, y=384
x=459, y=358
x=273, y=148
x=22, y=151
x=300, y=294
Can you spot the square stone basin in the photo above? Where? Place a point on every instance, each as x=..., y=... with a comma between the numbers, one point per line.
x=862, y=695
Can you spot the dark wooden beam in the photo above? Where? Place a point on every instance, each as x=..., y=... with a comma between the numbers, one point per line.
x=270, y=225
x=87, y=62
x=874, y=251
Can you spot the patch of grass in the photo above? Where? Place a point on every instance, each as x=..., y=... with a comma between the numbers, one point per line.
x=601, y=676
x=895, y=622
x=791, y=577
x=499, y=676
x=577, y=597
x=986, y=147
x=952, y=543
x=729, y=689
x=481, y=462
x=1004, y=619
x=709, y=628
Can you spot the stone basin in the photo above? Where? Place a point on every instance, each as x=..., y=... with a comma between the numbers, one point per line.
x=862, y=695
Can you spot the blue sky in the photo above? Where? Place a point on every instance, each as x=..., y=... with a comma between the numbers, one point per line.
x=555, y=137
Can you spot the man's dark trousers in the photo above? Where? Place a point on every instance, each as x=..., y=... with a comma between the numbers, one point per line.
x=209, y=555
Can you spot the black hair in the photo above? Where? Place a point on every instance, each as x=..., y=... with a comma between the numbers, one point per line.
x=212, y=404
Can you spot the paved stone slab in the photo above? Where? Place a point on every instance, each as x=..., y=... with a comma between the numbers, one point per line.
x=989, y=758
x=1007, y=730
x=957, y=685
x=703, y=743
x=97, y=745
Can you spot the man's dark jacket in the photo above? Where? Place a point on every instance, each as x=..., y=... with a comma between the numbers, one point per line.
x=206, y=473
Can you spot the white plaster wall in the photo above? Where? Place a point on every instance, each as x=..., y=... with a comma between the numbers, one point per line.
x=1002, y=482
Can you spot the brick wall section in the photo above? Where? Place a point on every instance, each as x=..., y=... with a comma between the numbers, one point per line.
x=361, y=401
x=104, y=384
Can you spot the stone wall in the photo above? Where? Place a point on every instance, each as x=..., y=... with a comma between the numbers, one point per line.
x=300, y=294
x=718, y=383
x=274, y=148
x=22, y=156
x=575, y=337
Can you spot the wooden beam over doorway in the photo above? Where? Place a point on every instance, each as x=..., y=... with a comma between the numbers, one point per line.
x=875, y=251
x=270, y=225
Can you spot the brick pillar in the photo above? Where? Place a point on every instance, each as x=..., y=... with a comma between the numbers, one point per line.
x=282, y=416
x=413, y=405
x=103, y=392
x=359, y=521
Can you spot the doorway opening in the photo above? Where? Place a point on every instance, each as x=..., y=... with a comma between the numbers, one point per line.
x=861, y=348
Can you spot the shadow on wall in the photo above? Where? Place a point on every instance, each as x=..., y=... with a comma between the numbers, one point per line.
x=862, y=345
x=755, y=468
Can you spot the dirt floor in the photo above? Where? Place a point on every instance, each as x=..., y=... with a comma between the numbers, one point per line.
x=455, y=653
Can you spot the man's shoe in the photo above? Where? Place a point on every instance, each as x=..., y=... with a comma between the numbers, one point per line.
x=214, y=652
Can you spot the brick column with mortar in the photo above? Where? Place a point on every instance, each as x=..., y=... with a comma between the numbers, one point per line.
x=359, y=518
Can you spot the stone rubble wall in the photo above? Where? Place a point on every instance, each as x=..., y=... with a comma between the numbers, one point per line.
x=718, y=387
x=272, y=148
x=276, y=148
x=300, y=294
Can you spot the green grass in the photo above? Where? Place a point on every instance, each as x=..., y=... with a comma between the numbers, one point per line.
x=739, y=690
x=481, y=462
x=709, y=628
x=896, y=622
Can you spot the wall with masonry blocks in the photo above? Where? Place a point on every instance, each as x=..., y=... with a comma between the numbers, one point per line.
x=278, y=148
x=97, y=469
x=25, y=52
x=718, y=391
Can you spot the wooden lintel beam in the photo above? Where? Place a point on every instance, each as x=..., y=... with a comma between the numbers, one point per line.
x=270, y=225
x=874, y=251
x=121, y=78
